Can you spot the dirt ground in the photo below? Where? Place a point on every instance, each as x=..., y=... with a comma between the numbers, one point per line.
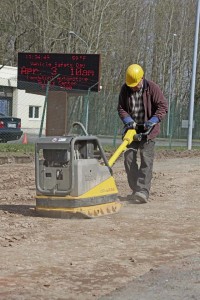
x=43, y=258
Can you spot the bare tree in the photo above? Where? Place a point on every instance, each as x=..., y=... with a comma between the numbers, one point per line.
x=123, y=32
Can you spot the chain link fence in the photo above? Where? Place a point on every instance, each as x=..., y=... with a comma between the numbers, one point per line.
x=103, y=117
x=97, y=111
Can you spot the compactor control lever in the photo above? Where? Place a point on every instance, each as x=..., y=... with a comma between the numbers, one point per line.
x=138, y=136
x=127, y=140
x=130, y=136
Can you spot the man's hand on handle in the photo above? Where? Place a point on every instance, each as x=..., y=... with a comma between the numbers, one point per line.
x=130, y=125
x=150, y=123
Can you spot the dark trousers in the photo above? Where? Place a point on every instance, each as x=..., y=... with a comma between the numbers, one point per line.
x=140, y=173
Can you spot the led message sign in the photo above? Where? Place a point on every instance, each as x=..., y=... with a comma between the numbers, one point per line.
x=66, y=72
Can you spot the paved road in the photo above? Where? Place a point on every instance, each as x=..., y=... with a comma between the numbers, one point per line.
x=159, y=142
x=177, y=281
x=111, y=141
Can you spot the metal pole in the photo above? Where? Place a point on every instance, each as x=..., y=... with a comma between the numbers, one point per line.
x=45, y=104
x=115, y=130
x=170, y=87
x=87, y=106
x=191, y=110
x=72, y=32
x=87, y=111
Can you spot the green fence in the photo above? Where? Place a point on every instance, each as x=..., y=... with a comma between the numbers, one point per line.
x=98, y=113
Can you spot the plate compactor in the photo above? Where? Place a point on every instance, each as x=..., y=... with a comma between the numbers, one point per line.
x=74, y=177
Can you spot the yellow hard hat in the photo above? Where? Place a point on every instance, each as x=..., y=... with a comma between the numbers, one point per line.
x=134, y=75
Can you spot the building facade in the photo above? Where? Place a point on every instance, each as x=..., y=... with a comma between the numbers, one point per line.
x=19, y=103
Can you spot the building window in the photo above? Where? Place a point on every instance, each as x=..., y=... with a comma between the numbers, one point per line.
x=34, y=112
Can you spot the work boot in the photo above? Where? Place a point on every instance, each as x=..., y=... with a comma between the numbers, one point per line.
x=131, y=196
x=131, y=199
x=140, y=196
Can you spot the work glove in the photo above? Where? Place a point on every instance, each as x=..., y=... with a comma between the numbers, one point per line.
x=130, y=125
x=150, y=123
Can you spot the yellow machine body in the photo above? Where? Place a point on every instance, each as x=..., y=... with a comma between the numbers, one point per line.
x=74, y=178
x=102, y=190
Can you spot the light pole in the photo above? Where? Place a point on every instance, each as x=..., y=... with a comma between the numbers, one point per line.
x=194, y=67
x=87, y=100
x=80, y=38
x=170, y=86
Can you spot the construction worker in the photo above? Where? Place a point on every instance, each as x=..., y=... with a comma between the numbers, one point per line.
x=141, y=106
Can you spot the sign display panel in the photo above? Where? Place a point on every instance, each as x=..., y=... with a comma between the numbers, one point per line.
x=63, y=72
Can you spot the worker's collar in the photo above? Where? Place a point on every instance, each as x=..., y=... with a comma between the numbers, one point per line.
x=139, y=89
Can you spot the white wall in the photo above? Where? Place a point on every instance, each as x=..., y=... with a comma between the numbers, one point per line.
x=8, y=76
x=22, y=100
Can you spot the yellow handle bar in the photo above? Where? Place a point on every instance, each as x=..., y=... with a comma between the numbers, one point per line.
x=127, y=140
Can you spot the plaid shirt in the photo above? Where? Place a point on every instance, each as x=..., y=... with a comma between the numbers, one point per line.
x=137, y=107
x=154, y=103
